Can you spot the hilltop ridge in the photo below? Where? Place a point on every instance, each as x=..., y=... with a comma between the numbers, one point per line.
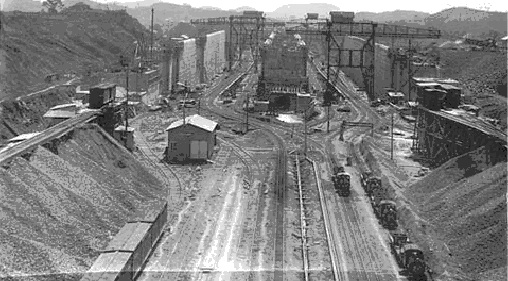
x=37, y=44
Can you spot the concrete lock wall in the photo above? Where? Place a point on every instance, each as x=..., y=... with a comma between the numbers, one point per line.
x=210, y=55
x=214, y=54
x=221, y=54
x=188, y=68
x=382, y=78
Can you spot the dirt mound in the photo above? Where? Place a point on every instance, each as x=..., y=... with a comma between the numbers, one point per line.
x=25, y=115
x=59, y=208
x=463, y=201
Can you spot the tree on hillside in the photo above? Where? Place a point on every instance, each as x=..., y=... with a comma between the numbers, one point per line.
x=52, y=5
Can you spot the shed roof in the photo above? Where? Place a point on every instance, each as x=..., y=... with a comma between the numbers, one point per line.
x=122, y=128
x=103, y=86
x=449, y=87
x=60, y=114
x=60, y=106
x=427, y=84
x=195, y=120
x=396, y=94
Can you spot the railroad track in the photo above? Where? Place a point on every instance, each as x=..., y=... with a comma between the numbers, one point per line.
x=349, y=220
x=51, y=132
x=303, y=224
x=151, y=154
x=246, y=238
x=280, y=180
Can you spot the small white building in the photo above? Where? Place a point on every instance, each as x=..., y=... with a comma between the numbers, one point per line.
x=193, y=139
x=125, y=136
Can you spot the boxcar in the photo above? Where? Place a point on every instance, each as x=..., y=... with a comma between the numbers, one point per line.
x=133, y=238
x=115, y=266
x=155, y=213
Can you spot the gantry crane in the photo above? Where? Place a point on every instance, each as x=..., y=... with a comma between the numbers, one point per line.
x=248, y=29
x=362, y=58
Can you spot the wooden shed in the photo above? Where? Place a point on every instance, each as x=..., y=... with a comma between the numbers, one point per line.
x=191, y=140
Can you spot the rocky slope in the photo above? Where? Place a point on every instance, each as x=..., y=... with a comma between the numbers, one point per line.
x=36, y=44
x=58, y=208
x=456, y=213
x=24, y=115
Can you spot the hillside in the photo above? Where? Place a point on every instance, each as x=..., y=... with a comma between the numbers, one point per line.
x=462, y=20
x=21, y=5
x=299, y=10
x=62, y=203
x=397, y=15
x=176, y=13
x=38, y=44
x=483, y=76
x=463, y=204
x=455, y=22
x=96, y=5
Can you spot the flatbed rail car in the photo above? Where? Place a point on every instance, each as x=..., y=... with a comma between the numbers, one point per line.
x=124, y=257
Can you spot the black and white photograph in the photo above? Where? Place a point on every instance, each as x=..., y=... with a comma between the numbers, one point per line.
x=192, y=140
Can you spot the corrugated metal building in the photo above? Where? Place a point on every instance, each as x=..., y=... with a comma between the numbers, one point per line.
x=192, y=140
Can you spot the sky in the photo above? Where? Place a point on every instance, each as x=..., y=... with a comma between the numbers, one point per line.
x=429, y=6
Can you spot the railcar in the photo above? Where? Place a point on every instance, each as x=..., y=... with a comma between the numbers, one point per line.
x=128, y=251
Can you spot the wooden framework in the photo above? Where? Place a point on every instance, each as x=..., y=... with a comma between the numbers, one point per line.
x=441, y=136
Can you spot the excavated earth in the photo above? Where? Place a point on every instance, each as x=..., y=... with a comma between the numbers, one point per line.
x=59, y=207
x=24, y=115
x=456, y=213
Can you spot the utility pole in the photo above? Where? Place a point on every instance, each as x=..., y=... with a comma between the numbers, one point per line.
x=151, y=41
x=199, y=104
x=305, y=133
x=327, y=89
x=247, y=129
x=126, y=103
x=185, y=100
x=391, y=154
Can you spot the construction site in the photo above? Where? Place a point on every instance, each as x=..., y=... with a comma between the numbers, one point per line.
x=258, y=150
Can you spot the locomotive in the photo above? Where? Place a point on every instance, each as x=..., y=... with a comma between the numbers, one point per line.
x=408, y=255
x=341, y=181
x=387, y=213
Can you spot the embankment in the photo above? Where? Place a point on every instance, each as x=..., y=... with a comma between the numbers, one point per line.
x=24, y=114
x=457, y=214
x=62, y=202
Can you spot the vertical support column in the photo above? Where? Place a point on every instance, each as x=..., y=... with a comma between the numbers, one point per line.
x=373, y=84
x=240, y=45
x=328, y=88
x=231, y=52
x=256, y=47
x=409, y=71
